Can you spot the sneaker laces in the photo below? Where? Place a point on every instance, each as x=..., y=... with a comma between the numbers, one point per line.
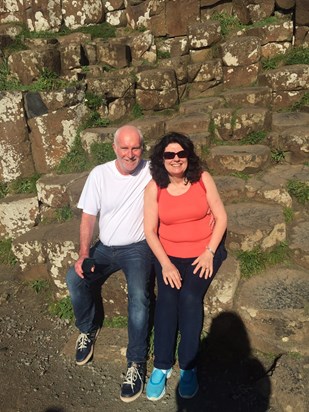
x=82, y=341
x=131, y=376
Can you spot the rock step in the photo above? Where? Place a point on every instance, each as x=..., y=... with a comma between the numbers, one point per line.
x=283, y=120
x=274, y=309
x=254, y=225
x=292, y=141
x=244, y=158
x=259, y=96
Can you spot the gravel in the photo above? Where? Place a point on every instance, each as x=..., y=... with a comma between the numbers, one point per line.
x=35, y=375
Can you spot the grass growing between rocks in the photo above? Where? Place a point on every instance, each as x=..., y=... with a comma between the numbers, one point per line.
x=277, y=156
x=299, y=190
x=7, y=257
x=296, y=55
x=116, y=322
x=102, y=152
x=62, y=309
x=255, y=261
x=288, y=214
x=254, y=137
x=75, y=161
x=47, y=81
x=63, y=214
x=25, y=185
x=78, y=160
x=39, y=285
x=241, y=175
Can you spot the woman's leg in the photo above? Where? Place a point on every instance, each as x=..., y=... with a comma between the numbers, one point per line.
x=165, y=322
x=191, y=312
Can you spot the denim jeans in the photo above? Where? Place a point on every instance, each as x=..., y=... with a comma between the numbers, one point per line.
x=135, y=261
x=181, y=309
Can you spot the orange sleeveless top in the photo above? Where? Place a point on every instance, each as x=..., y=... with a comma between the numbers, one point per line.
x=184, y=228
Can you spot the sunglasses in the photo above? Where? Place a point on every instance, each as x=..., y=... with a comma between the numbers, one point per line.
x=170, y=155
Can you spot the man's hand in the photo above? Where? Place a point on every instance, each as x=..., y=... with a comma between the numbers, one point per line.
x=78, y=266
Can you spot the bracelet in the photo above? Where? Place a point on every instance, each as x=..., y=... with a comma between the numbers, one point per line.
x=210, y=250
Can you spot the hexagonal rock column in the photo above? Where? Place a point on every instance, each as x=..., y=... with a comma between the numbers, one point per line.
x=253, y=225
x=241, y=60
x=246, y=158
x=231, y=124
x=294, y=142
x=287, y=83
x=189, y=124
x=273, y=308
x=220, y=296
x=18, y=214
x=156, y=89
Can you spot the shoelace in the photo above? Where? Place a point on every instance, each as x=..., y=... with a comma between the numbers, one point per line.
x=131, y=376
x=82, y=341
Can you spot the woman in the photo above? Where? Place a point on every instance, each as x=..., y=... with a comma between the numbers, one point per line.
x=184, y=221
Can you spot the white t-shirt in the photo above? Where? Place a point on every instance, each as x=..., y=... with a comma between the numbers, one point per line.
x=119, y=199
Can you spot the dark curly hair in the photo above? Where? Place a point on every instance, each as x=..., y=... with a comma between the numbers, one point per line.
x=157, y=169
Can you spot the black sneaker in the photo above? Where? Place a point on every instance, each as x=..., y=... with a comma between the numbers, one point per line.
x=133, y=384
x=84, y=346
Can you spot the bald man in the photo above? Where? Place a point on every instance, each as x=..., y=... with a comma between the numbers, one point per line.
x=114, y=191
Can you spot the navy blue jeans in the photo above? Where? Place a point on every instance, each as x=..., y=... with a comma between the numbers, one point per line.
x=181, y=309
x=135, y=261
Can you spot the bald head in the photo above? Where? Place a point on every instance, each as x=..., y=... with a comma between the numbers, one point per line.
x=127, y=130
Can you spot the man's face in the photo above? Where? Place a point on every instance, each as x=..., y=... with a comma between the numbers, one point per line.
x=129, y=150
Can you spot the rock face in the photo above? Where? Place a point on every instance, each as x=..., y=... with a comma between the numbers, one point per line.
x=273, y=307
x=15, y=159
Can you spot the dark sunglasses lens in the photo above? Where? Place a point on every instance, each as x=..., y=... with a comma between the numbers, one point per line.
x=170, y=155
x=182, y=154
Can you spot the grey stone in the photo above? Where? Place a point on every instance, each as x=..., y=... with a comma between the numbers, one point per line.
x=34, y=105
x=253, y=225
x=273, y=307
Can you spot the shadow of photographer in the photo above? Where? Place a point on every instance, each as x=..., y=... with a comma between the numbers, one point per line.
x=230, y=378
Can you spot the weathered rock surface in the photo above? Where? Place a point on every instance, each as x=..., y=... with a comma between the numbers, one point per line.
x=246, y=158
x=273, y=307
x=253, y=225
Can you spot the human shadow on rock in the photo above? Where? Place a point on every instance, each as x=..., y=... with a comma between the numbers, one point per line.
x=230, y=377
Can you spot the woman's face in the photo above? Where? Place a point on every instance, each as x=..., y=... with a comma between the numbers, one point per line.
x=179, y=163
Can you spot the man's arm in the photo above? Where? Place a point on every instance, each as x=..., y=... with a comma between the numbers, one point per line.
x=85, y=238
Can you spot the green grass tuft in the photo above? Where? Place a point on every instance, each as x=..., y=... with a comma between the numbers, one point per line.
x=39, y=285
x=255, y=261
x=75, y=161
x=62, y=309
x=24, y=185
x=227, y=22
x=102, y=152
x=254, y=137
x=63, y=214
x=288, y=214
x=116, y=322
x=299, y=190
x=7, y=257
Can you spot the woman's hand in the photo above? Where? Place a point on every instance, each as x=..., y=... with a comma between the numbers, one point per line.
x=204, y=264
x=171, y=276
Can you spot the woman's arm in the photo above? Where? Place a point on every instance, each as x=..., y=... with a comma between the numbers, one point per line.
x=151, y=220
x=205, y=260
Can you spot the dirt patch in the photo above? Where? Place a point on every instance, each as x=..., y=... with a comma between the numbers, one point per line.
x=38, y=373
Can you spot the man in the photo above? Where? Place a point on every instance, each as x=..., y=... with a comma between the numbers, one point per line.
x=115, y=190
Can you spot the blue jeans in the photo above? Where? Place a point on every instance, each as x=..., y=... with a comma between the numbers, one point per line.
x=135, y=261
x=181, y=309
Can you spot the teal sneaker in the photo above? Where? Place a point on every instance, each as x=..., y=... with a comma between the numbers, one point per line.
x=188, y=385
x=155, y=388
